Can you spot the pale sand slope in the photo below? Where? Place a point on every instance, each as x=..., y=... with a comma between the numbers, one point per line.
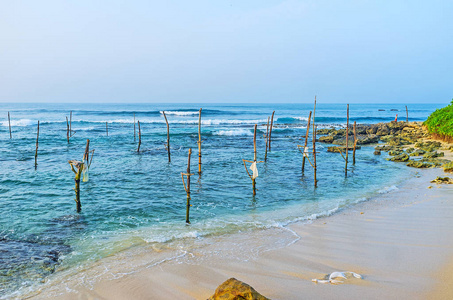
x=402, y=244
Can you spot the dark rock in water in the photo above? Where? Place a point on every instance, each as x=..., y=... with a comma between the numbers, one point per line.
x=381, y=109
x=233, y=289
x=377, y=152
x=336, y=149
x=386, y=148
x=418, y=164
x=326, y=139
x=393, y=109
x=400, y=158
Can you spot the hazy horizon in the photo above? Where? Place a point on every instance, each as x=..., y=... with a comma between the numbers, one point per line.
x=251, y=52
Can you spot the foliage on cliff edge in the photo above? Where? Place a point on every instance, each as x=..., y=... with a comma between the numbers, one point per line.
x=440, y=123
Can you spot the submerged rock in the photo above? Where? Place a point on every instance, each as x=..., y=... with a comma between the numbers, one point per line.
x=326, y=139
x=336, y=149
x=377, y=152
x=233, y=289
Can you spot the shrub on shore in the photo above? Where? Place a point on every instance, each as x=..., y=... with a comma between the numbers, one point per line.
x=440, y=123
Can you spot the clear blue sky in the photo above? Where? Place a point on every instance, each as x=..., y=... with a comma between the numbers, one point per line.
x=226, y=51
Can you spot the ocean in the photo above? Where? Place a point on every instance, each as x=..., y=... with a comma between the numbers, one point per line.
x=136, y=200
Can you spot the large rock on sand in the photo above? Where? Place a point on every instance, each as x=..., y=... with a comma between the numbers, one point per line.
x=233, y=289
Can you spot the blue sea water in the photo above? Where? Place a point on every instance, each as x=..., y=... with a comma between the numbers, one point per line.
x=132, y=199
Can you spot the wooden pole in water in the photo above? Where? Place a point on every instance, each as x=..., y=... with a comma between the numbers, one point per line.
x=106, y=128
x=134, y=127
x=78, y=174
x=407, y=115
x=9, y=122
x=188, y=188
x=67, y=129
x=270, y=130
x=314, y=145
x=306, y=141
x=199, y=142
x=168, y=136
x=36, y=151
x=347, y=142
x=267, y=138
x=315, y=166
x=86, y=155
x=355, y=142
x=70, y=121
x=254, y=159
x=139, y=136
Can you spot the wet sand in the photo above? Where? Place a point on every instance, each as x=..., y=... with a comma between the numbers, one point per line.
x=400, y=242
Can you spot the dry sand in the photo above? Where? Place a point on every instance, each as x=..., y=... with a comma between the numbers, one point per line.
x=401, y=242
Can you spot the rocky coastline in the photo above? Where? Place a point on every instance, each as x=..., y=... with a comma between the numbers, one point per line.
x=405, y=142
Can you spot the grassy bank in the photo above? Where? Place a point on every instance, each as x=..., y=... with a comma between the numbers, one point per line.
x=440, y=123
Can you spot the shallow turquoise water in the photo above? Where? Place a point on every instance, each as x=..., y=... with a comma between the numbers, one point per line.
x=139, y=197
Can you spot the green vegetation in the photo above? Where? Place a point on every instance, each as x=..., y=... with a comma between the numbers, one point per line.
x=440, y=123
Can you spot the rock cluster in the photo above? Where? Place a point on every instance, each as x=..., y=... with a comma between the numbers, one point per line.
x=396, y=136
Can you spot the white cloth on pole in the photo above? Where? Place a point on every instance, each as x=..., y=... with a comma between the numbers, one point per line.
x=254, y=169
x=85, y=172
x=305, y=151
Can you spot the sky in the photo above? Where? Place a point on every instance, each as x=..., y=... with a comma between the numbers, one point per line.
x=222, y=51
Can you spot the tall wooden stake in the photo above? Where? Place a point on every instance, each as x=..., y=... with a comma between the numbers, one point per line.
x=134, y=127
x=270, y=130
x=86, y=154
x=67, y=129
x=78, y=174
x=168, y=136
x=407, y=115
x=9, y=122
x=187, y=187
x=199, y=142
x=254, y=159
x=139, y=136
x=70, y=121
x=347, y=142
x=306, y=141
x=267, y=138
x=355, y=142
x=315, y=166
x=36, y=151
x=107, y=128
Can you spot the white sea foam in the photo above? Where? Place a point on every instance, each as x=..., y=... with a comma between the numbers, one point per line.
x=388, y=189
x=235, y=132
x=180, y=113
x=21, y=122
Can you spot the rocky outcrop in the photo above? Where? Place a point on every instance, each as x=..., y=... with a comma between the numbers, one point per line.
x=233, y=289
x=448, y=167
x=400, y=158
x=439, y=179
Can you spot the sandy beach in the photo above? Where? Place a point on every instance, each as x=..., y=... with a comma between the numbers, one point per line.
x=400, y=242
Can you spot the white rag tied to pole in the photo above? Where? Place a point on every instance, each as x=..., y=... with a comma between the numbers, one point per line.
x=305, y=151
x=254, y=169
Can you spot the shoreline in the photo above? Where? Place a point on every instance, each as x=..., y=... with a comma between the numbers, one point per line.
x=345, y=241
